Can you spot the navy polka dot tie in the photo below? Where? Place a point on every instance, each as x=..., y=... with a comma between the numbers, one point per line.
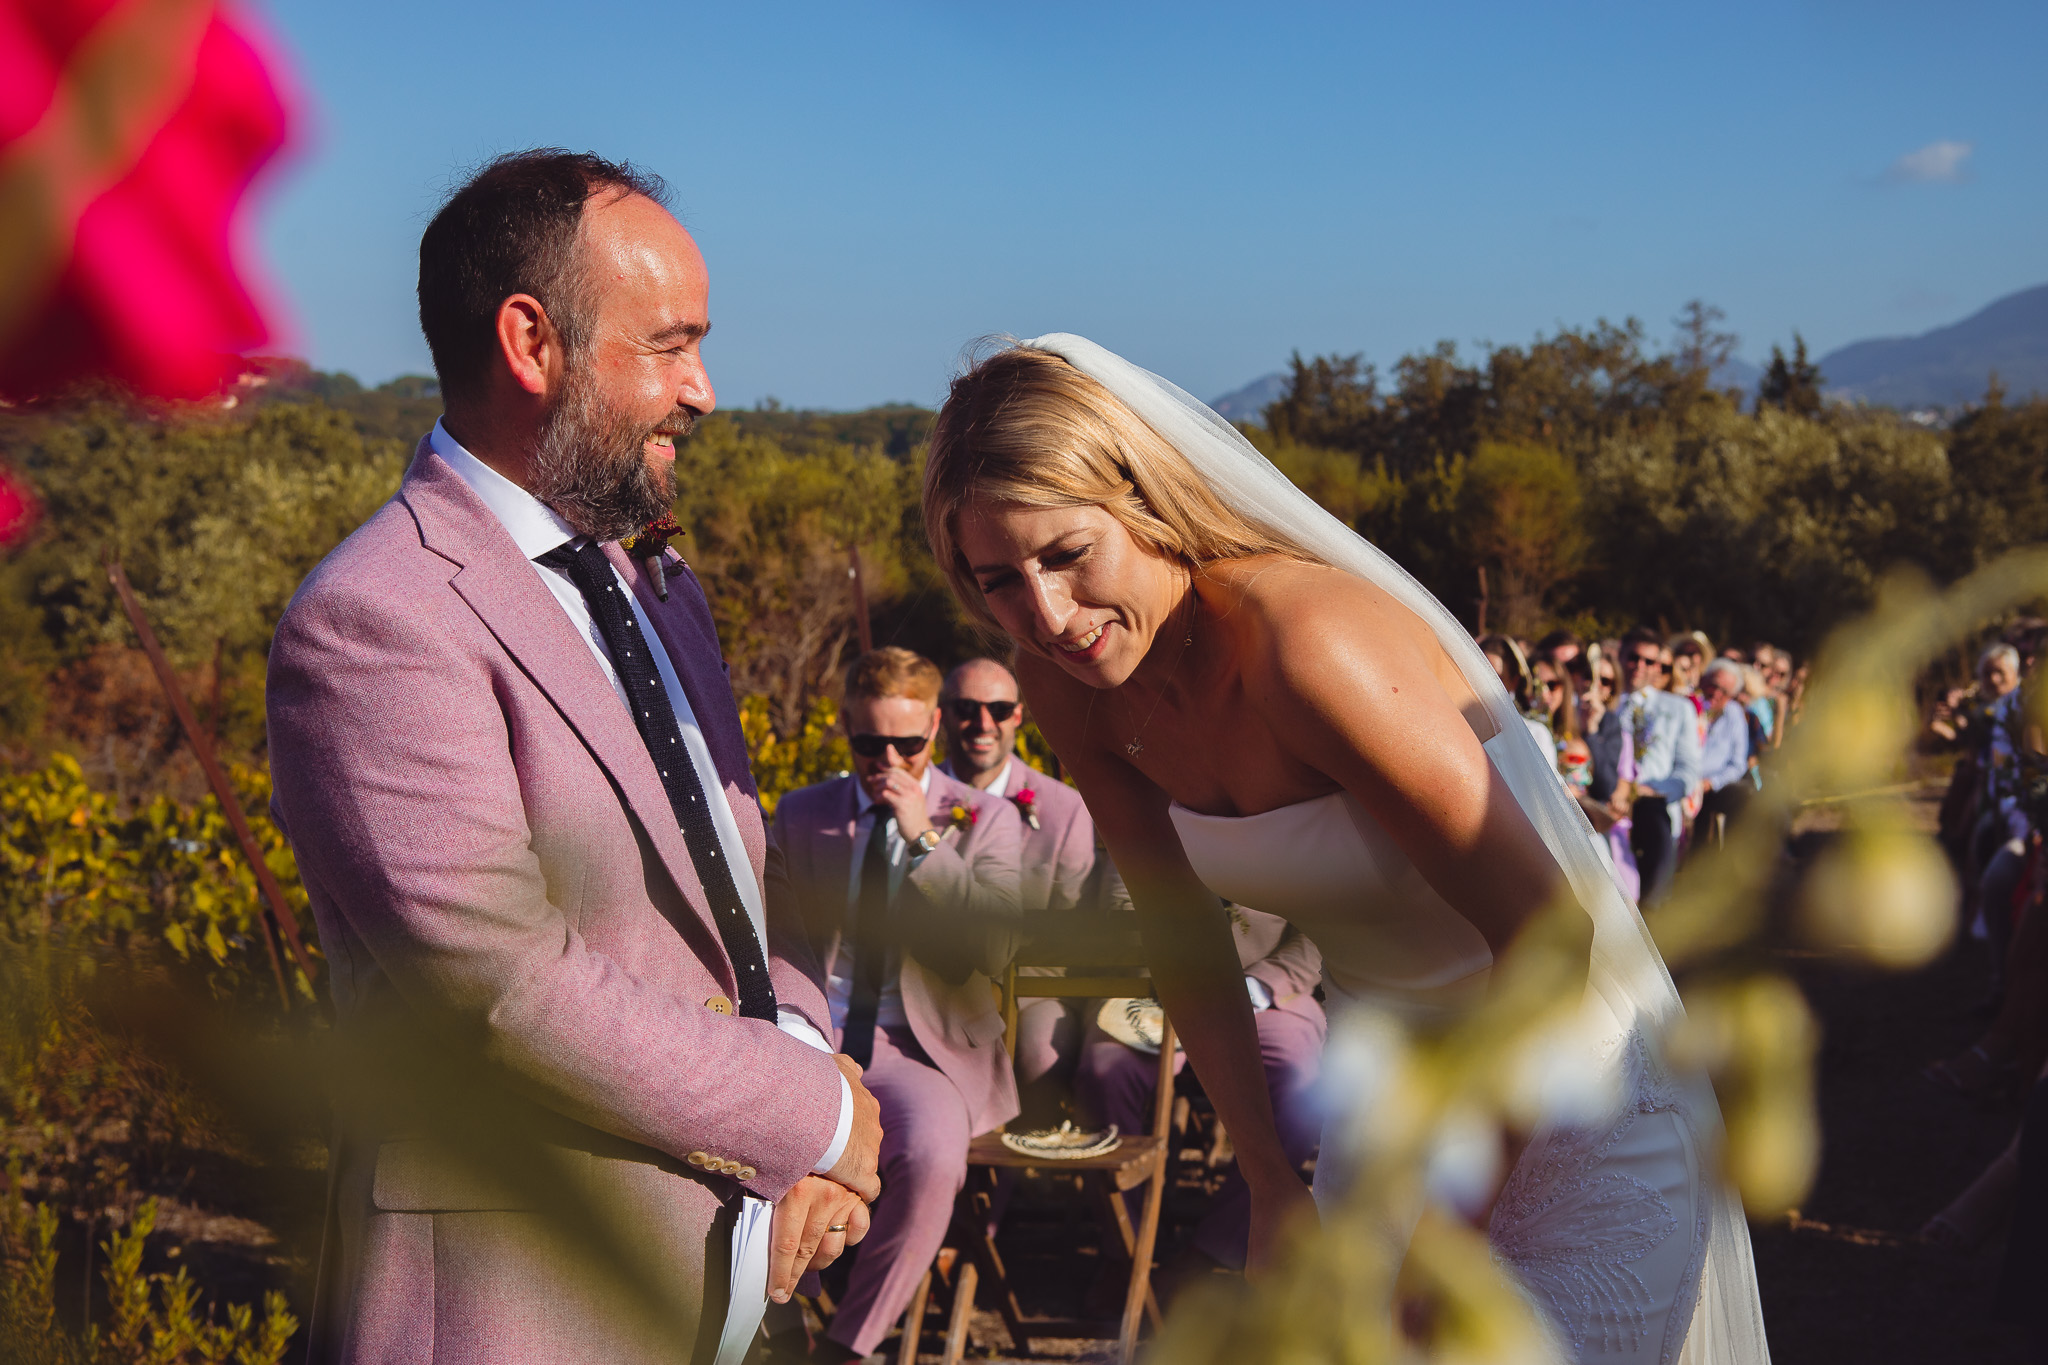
x=592, y=574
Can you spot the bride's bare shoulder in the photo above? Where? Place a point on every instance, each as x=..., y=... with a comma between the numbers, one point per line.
x=1281, y=601
x=1307, y=633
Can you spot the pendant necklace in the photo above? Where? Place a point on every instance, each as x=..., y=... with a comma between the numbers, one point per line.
x=1137, y=746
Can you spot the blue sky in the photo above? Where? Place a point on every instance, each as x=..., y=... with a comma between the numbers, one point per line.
x=1203, y=187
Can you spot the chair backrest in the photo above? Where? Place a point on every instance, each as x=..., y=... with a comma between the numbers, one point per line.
x=1085, y=956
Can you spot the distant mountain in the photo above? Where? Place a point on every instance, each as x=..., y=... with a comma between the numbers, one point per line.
x=1248, y=403
x=1949, y=366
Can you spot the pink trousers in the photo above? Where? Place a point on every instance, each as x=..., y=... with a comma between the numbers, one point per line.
x=923, y=1167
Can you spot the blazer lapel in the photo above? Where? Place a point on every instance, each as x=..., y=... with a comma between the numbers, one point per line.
x=506, y=593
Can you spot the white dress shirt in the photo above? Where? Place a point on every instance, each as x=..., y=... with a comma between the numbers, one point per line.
x=839, y=984
x=536, y=529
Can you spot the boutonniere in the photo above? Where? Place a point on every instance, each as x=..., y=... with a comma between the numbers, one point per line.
x=648, y=543
x=962, y=817
x=1027, y=806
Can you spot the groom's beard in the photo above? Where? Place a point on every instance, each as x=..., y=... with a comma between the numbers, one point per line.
x=590, y=463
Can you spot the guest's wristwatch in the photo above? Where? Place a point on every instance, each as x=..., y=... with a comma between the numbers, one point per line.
x=928, y=840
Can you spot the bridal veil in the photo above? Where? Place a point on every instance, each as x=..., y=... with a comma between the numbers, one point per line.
x=1626, y=969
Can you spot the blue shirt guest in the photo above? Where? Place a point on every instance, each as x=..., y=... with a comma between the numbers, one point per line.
x=1667, y=749
x=1724, y=753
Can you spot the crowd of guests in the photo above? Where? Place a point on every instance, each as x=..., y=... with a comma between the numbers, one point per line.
x=1991, y=822
x=1660, y=738
x=918, y=873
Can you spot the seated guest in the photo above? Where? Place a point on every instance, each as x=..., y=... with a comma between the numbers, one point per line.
x=907, y=883
x=1115, y=1083
x=980, y=713
x=1724, y=753
x=1665, y=738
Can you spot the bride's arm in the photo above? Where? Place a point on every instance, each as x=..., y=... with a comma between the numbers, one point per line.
x=1194, y=962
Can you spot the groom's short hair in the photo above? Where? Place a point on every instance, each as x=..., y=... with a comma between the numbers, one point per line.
x=511, y=229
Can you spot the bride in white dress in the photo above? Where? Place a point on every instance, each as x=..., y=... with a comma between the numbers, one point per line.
x=1260, y=706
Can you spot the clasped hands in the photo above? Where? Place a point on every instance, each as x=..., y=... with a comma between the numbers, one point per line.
x=823, y=1215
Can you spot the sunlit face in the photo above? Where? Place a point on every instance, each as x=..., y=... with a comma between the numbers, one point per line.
x=1070, y=584
x=2001, y=675
x=906, y=719
x=976, y=742
x=1549, y=685
x=1685, y=668
x=1717, y=689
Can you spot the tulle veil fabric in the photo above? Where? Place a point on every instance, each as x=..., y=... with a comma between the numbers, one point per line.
x=1626, y=969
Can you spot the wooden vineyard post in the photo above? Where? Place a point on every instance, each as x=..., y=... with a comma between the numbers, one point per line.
x=860, y=599
x=276, y=916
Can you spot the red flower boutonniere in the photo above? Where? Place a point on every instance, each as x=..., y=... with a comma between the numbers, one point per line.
x=648, y=544
x=962, y=817
x=1027, y=806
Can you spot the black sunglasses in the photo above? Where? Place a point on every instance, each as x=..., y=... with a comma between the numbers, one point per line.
x=964, y=709
x=1643, y=660
x=873, y=746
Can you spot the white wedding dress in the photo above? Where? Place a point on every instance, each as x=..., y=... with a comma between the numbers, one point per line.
x=1616, y=1227
x=1603, y=1223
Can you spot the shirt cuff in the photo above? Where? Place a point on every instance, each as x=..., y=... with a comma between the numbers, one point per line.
x=796, y=1026
x=1262, y=994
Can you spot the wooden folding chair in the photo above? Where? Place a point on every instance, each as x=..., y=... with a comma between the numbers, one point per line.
x=1100, y=956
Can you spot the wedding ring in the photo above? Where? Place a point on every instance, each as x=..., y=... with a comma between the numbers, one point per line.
x=837, y=1227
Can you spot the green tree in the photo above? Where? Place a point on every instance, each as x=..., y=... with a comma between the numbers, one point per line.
x=1518, y=515
x=1792, y=385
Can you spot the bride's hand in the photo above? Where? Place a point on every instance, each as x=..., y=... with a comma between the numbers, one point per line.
x=1277, y=1212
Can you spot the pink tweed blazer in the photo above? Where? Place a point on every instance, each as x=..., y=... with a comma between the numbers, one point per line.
x=957, y=913
x=522, y=958
x=1059, y=856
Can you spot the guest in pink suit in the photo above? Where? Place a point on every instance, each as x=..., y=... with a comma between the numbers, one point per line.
x=980, y=714
x=908, y=883
x=516, y=785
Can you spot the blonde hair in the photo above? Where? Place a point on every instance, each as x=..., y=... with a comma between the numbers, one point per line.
x=892, y=672
x=1026, y=427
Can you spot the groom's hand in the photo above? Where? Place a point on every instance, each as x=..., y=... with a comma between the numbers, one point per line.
x=816, y=1220
x=856, y=1169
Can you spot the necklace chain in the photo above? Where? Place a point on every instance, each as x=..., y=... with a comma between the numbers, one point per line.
x=1137, y=744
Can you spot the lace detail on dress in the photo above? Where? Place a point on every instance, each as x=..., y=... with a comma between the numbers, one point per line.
x=1572, y=1231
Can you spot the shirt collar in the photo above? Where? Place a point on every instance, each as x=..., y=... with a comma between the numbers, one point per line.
x=534, y=526
x=1001, y=786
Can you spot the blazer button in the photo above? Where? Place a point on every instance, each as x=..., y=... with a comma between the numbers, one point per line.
x=718, y=1004
x=730, y=1167
x=698, y=1159
x=747, y=1173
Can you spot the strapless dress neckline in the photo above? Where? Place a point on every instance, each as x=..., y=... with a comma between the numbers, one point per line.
x=1327, y=866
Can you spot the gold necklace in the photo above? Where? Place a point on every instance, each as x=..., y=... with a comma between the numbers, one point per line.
x=1137, y=745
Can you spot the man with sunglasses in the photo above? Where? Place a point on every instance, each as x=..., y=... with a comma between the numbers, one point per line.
x=907, y=881
x=1667, y=754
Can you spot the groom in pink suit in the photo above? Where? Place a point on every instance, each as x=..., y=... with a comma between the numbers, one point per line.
x=908, y=882
x=587, y=1076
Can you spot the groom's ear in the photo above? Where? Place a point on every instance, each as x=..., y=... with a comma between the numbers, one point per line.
x=528, y=344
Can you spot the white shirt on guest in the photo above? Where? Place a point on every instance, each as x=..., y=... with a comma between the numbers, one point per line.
x=536, y=529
